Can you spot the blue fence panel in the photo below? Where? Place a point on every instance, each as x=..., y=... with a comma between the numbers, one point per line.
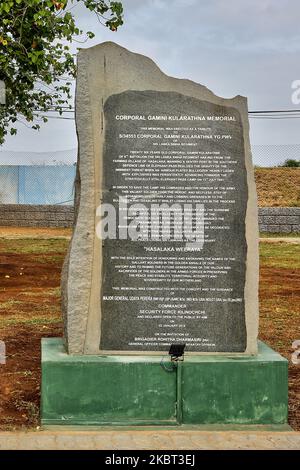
x=48, y=184
x=9, y=184
x=37, y=184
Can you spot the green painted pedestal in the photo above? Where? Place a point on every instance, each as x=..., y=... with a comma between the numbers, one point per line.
x=147, y=390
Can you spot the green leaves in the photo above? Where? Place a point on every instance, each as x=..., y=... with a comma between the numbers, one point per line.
x=102, y=8
x=36, y=56
x=117, y=8
x=34, y=59
x=6, y=6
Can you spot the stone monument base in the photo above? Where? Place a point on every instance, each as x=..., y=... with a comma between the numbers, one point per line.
x=150, y=390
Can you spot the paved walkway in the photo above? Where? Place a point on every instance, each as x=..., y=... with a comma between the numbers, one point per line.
x=149, y=440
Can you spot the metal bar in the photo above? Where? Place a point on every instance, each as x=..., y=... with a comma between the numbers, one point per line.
x=179, y=392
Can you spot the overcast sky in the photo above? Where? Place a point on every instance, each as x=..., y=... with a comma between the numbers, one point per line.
x=247, y=47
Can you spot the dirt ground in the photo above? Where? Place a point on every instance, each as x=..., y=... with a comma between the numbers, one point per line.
x=30, y=309
x=278, y=187
x=279, y=294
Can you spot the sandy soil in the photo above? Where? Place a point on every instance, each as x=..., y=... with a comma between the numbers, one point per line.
x=278, y=187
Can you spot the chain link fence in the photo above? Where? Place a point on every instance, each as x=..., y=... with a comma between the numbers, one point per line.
x=274, y=155
x=35, y=184
x=52, y=180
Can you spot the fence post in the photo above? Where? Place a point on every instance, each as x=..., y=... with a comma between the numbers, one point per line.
x=21, y=184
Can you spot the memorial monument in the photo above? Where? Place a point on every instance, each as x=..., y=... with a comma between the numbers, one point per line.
x=164, y=252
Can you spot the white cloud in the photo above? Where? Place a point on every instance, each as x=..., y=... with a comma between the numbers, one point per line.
x=248, y=47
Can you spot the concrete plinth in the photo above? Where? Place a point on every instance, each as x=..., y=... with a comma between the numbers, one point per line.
x=149, y=390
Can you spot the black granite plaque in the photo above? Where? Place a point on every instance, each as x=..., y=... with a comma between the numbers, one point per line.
x=158, y=286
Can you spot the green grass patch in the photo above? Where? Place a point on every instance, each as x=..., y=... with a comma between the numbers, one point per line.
x=55, y=292
x=9, y=304
x=279, y=235
x=47, y=258
x=34, y=246
x=280, y=255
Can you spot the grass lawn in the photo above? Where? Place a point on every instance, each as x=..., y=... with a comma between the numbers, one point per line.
x=30, y=309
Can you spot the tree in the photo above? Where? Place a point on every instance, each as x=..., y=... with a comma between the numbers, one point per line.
x=35, y=59
x=290, y=163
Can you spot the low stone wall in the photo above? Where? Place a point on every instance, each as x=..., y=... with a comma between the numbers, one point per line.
x=279, y=219
x=21, y=215
x=271, y=219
